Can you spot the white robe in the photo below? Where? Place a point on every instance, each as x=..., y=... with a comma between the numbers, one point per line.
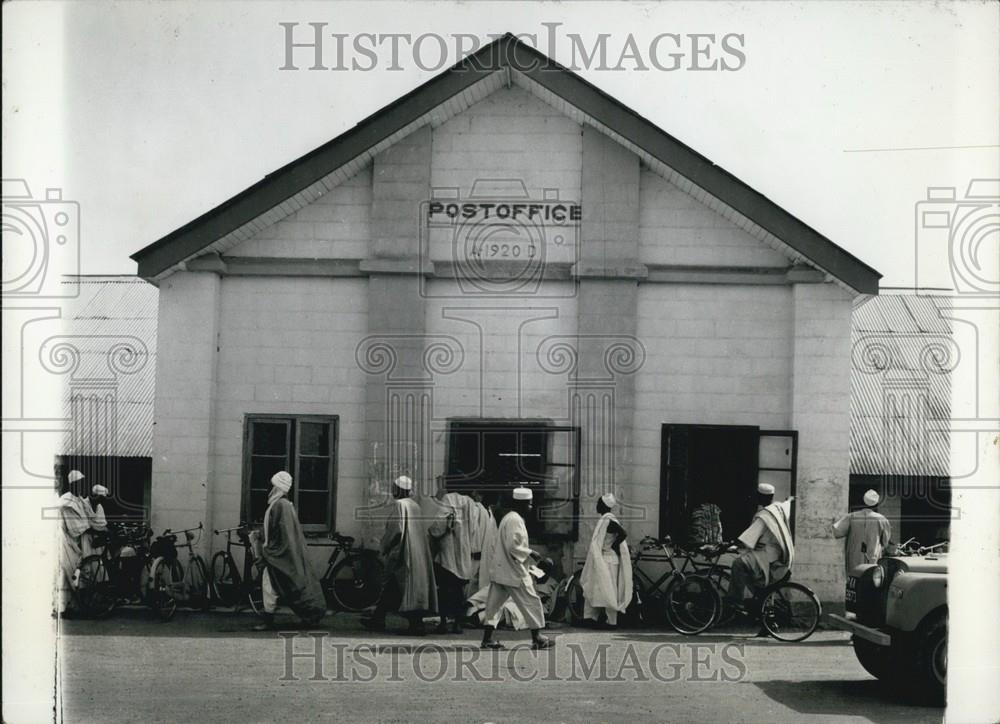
x=74, y=520
x=769, y=539
x=483, y=532
x=607, y=576
x=98, y=523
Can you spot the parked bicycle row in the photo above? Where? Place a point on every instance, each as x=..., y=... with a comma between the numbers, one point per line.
x=460, y=551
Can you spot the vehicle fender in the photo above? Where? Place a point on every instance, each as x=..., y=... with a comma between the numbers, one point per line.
x=912, y=596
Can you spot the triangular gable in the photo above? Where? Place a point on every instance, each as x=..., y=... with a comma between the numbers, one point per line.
x=500, y=63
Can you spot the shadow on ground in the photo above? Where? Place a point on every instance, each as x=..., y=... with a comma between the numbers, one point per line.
x=867, y=698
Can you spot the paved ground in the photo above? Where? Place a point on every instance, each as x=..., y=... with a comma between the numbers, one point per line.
x=210, y=667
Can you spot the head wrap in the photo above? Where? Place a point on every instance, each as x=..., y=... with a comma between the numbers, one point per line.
x=75, y=475
x=522, y=494
x=871, y=498
x=765, y=489
x=282, y=481
x=99, y=490
x=609, y=500
x=404, y=483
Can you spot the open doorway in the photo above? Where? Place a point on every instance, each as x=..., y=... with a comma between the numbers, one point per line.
x=721, y=465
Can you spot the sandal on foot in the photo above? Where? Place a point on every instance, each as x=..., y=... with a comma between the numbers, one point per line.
x=495, y=645
x=542, y=643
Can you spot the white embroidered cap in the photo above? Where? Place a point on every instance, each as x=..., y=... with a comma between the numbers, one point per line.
x=871, y=498
x=404, y=483
x=99, y=490
x=75, y=475
x=609, y=500
x=765, y=489
x=522, y=494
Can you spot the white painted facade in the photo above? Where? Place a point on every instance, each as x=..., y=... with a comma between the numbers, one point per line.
x=764, y=351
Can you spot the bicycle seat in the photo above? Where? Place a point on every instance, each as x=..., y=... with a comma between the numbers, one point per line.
x=342, y=539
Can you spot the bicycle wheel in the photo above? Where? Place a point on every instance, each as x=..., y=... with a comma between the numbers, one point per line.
x=225, y=579
x=574, y=600
x=255, y=596
x=727, y=613
x=165, y=583
x=196, y=583
x=692, y=604
x=95, y=593
x=790, y=611
x=355, y=583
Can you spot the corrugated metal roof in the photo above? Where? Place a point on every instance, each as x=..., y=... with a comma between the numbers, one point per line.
x=902, y=357
x=110, y=331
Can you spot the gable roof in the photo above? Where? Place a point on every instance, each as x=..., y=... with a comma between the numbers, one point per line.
x=503, y=61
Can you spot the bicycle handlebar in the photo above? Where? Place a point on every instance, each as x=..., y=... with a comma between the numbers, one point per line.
x=217, y=531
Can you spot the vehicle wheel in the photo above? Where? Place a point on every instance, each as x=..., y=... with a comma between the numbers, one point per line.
x=692, y=604
x=165, y=583
x=95, y=593
x=197, y=584
x=790, y=611
x=355, y=583
x=225, y=579
x=931, y=660
x=874, y=658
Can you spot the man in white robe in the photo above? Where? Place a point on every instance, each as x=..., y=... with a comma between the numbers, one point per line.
x=74, y=521
x=510, y=578
x=607, y=574
x=92, y=539
x=866, y=533
x=769, y=550
x=452, y=549
x=409, y=585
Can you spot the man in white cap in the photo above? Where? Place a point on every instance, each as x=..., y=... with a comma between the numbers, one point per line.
x=510, y=578
x=768, y=548
x=285, y=567
x=74, y=521
x=607, y=574
x=866, y=533
x=409, y=586
x=92, y=539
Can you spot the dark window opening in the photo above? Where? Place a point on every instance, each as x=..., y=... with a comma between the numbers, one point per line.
x=492, y=457
x=305, y=446
x=917, y=506
x=721, y=465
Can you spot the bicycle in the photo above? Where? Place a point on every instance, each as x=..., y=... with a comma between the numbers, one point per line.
x=653, y=600
x=104, y=579
x=228, y=586
x=169, y=582
x=718, y=574
x=787, y=610
x=353, y=578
